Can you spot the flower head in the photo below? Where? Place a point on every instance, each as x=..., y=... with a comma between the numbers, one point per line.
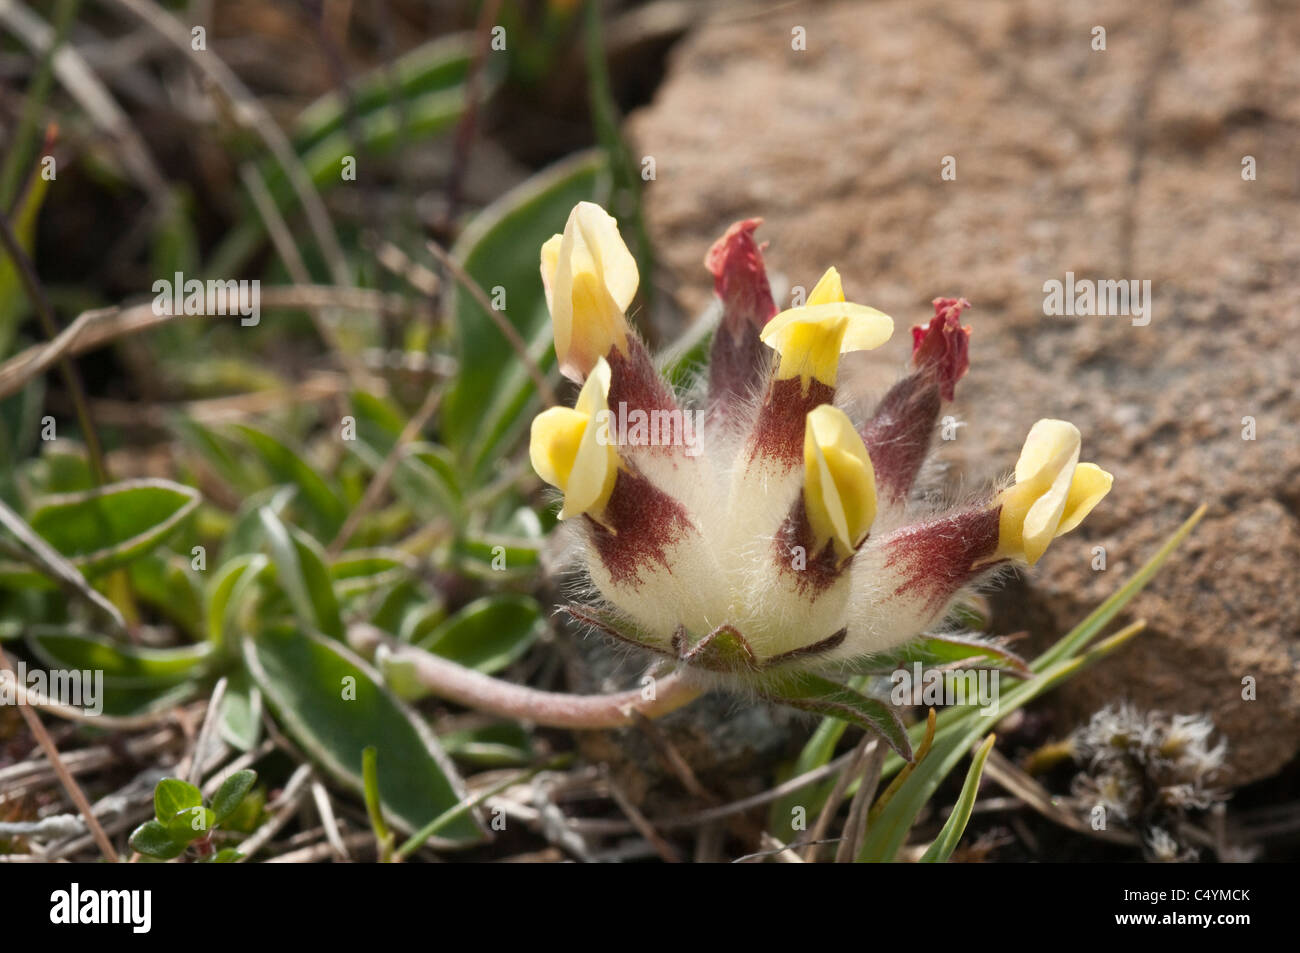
x=590, y=278
x=571, y=450
x=766, y=554
x=811, y=337
x=1052, y=494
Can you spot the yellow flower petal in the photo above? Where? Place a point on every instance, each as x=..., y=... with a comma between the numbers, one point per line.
x=1090, y=484
x=828, y=290
x=1052, y=494
x=553, y=446
x=839, y=482
x=590, y=278
x=550, y=262
x=571, y=449
x=811, y=338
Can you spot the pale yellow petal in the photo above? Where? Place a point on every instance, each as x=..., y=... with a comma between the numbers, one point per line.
x=1090, y=484
x=865, y=328
x=553, y=444
x=829, y=288
x=613, y=262
x=594, y=281
x=1049, y=444
x=839, y=482
x=550, y=262
x=1052, y=494
x=571, y=448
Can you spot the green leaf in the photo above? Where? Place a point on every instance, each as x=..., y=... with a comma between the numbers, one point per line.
x=166, y=584
x=241, y=712
x=439, y=65
x=221, y=455
x=335, y=705
x=245, y=534
x=410, y=610
x=172, y=796
x=424, y=480
x=101, y=529
x=809, y=692
x=300, y=562
x=486, y=407
x=324, y=506
x=227, y=594
x=946, y=842
x=489, y=633
x=227, y=855
x=361, y=571
x=379, y=421
x=191, y=823
x=943, y=649
x=123, y=666
x=232, y=792
x=489, y=556
x=153, y=839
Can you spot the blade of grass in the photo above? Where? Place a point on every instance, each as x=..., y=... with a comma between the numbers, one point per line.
x=946, y=842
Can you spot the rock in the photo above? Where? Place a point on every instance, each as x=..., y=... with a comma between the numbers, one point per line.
x=1125, y=163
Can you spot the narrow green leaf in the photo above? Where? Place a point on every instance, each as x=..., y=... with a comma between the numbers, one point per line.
x=241, y=712
x=124, y=666
x=300, y=563
x=324, y=506
x=946, y=842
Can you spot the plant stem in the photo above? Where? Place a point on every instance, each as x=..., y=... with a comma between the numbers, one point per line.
x=454, y=682
x=41, y=305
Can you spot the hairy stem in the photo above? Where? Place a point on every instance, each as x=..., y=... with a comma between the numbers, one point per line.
x=454, y=682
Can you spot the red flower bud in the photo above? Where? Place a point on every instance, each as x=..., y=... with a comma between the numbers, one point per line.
x=739, y=278
x=943, y=346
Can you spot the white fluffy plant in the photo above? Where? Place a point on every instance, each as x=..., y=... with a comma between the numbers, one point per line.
x=762, y=539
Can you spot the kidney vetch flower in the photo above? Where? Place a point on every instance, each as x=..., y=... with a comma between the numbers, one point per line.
x=755, y=532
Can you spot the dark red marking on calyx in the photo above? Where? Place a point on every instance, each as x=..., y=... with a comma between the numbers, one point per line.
x=898, y=434
x=634, y=381
x=779, y=429
x=644, y=521
x=738, y=366
x=822, y=567
x=939, y=557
